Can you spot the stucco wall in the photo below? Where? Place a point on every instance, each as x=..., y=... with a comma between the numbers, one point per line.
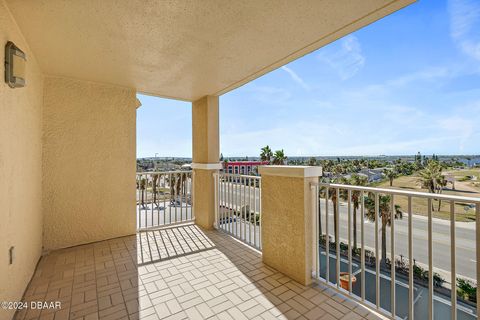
x=20, y=170
x=287, y=225
x=89, y=162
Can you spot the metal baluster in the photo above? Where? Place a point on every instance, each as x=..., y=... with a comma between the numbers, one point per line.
x=244, y=212
x=190, y=186
x=255, y=214
x=225, y=203
x=477, y=238
x=175, y=196
x=181, y=198
x=170, y=196
x=241, y=203
x=317, y=229
x=250, y=210
x=410, y=260
x=327, y=238
x=377, y=259
x=349, y=194
x=362, y=230
x=216, y=198
x=453, y=292
x=337, y=236
x=235, y=203
x=158, y=187
x=230, y=222
x=138, y=202
x=165, y=198
x=260, y=213
x=220, y=201
x=392, y=256
x=430, y=262
x=144, y=196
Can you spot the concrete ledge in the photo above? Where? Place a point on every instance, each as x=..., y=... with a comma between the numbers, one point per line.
x=290, y=171
x=207, y=166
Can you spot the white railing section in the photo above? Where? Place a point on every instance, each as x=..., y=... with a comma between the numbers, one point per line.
x=238, y=213
x=361, y=273
x=164, y=198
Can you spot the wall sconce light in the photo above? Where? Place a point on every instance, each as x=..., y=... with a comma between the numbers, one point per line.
x=15, y=60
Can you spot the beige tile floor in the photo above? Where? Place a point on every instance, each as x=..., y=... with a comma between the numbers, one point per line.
x=180, y=272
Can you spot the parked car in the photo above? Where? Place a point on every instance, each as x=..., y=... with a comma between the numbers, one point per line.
x=227, y=220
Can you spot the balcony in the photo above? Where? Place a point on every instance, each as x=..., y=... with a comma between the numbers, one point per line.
x=108, y=249
x=176, y=272
x=173, y=269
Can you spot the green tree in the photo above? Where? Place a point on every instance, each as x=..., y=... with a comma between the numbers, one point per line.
x=143, y=186
x=279, y=157
x=356, y=180
x=385, y=214
x=391, y=174
x=312, y=161
x=431, y=178
x=266, y=154
x=332, y=195
x=154, y=188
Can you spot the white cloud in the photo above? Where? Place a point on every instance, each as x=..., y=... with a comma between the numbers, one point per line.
x=295, y=77
x=428, y=74
x=458, y=126
x=269, y=94
x=464, y=25
x=347, y=60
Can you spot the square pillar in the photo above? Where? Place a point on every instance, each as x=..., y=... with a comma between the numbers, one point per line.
x=288, y=219
x=205, y=156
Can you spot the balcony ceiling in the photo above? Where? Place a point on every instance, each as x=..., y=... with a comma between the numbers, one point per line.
x=184, y=49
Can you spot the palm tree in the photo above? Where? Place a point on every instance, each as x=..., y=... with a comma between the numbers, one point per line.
x=385, y=213
x=442, y=183
x=356, y=180
x=154, y=188
x=143, y=185
x=279, y=157
x=391, y=175
x=431, y=178
x=332, y=195
x=266, y=154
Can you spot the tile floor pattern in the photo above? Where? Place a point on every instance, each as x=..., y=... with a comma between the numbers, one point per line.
x=180, y=272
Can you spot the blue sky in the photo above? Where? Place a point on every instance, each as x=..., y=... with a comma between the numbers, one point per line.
x=409, y=82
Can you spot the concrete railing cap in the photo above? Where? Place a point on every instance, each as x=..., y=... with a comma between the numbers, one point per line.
x=290, y=171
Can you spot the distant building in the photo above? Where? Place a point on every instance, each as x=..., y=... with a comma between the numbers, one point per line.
x=186, y=166
x=242, y=167
x=473, y=162
x=373, y=175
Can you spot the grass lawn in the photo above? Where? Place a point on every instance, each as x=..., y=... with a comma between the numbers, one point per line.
x=419, y=206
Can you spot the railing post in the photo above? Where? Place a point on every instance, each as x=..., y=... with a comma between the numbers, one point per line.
x=288, y=219
x=204, y=202
x=216, y=185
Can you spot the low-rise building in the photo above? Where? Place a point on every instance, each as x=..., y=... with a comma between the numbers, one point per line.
x=242, y=167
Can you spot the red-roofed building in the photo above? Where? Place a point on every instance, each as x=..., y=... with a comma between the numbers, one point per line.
x=242, y=167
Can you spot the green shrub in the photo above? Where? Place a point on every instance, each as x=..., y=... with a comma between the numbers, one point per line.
x=466, y=290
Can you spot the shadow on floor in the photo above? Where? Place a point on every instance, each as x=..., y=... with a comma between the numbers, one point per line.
x=180, y=272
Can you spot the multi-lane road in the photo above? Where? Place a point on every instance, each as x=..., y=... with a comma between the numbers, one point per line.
x=465, y=241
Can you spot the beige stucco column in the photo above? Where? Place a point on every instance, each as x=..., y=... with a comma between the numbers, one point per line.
x=205, y=156
x=288, y=219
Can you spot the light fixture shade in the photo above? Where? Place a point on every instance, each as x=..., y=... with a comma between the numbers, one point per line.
x=15, y=60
